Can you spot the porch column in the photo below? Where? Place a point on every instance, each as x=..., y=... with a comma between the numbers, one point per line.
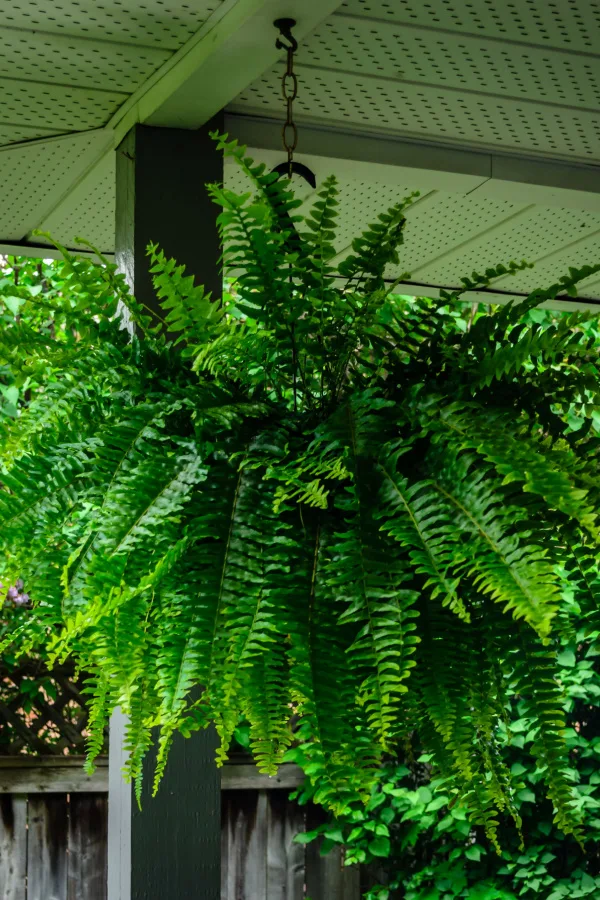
x=170, y=850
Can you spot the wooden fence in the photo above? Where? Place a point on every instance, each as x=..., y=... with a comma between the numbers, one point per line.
x=53, y=836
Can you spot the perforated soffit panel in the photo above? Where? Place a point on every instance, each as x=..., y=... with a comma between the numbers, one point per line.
x=69, y=65
x=447, y=235
x=521, y=77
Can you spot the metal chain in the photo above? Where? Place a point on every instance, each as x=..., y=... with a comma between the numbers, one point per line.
x=289, y=88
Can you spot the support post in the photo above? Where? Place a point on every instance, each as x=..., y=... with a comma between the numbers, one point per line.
x=171, y=848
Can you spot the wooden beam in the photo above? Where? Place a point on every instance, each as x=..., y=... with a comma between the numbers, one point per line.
x=35, y=775
x=247, y=777
x=48, y=775
x=161, y=197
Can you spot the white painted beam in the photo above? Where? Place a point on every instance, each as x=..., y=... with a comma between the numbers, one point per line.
x=543, y=183
x=381, y=157
x=492, y=297
x=233, y=48
x=367, y=157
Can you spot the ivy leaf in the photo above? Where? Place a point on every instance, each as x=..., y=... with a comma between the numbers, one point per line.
x=13, y=303
x=566, y=658
x=380, y=846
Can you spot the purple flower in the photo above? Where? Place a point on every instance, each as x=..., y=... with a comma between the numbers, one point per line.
x=19, y=584
x=12, y=593
x=22, y=600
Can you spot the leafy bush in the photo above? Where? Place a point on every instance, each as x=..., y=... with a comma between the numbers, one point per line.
x=424, y=847
x=41, y=711
x=311, y=500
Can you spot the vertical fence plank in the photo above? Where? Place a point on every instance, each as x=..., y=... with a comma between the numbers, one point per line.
x=326, y=876
x=87, y=847
x=13, y=846
x=225, y=843
x=46, y=847
x=295, y=822
x=285, y=858
x=245, y=874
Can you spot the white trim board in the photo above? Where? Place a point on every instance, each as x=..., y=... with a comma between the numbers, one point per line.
x=373, y=157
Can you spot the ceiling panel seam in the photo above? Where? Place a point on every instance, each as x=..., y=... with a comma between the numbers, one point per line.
x=51, y=132
x=480, y=234
x=53, y=138
x=86, y=39
x=68, y=87
x=592, y=285
x=97, y=162
x=478, y=187
x=419, y=202
x=456, y=35
x=560, y=250
x=448, y=88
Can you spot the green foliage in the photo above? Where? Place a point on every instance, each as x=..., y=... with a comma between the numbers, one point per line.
x=344, y=516
x=434, y=853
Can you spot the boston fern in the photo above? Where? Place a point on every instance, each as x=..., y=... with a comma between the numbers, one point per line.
x=348, y=519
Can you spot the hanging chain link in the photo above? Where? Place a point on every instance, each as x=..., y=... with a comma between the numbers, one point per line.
x=289, y=88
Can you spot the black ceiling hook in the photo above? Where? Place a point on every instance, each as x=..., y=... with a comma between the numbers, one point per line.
x=284, y=26
x=297, y=169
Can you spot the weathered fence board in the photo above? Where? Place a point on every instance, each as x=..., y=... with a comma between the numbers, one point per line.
x=13, y=847
x=87, y=843
x=326, y=876
x=54, y=777
x=285, y=858
x=48, y=817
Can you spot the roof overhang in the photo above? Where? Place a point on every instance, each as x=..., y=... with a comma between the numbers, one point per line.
x=388, y=95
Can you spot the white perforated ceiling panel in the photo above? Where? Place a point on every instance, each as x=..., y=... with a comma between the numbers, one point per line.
x=14, y=134
x=58, y=59
x=581, y=252
x=89, y=211
x=70, y=65
x=520, y=77
x=449, y=235
x=158, y=23
x=448, y=220
x=533, y=233
x=57, y=107
x=573, y=24
x=427, y=111
x=421, y=56
x=34, y=177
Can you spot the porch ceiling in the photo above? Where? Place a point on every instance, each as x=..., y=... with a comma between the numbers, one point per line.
x=490, y=109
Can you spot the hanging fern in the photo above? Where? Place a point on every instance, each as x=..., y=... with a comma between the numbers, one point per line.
x=313, y=505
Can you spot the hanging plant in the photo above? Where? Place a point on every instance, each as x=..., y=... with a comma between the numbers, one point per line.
x=309, y=499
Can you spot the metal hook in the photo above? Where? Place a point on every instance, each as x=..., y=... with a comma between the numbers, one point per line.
x=297, y=169
x=284, y=26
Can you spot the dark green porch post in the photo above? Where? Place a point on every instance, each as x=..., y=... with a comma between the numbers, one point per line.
x=170, y=850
